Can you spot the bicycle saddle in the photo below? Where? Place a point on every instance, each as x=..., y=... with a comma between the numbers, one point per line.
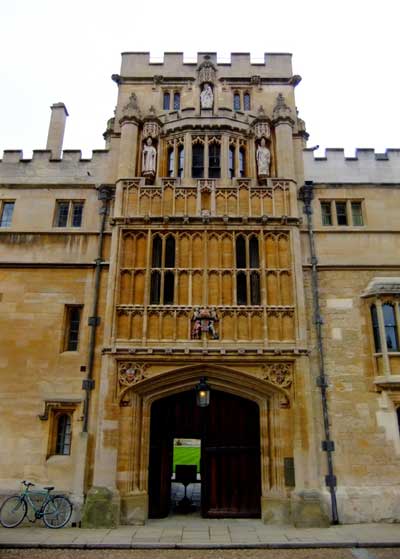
x=49, y=488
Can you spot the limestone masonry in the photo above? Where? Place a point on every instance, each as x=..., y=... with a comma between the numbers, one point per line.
x=205, y=256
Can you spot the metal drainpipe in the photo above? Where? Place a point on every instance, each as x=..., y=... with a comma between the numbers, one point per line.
x=104, y=196
x=328, y=445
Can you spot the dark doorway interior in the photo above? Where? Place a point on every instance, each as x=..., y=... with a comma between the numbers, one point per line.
x=230, y=453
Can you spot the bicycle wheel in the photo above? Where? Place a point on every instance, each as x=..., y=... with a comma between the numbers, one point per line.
x=57, y=512
x=12, y=511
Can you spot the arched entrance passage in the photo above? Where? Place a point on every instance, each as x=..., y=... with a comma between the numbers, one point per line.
x=230, y=452
x=134, y=422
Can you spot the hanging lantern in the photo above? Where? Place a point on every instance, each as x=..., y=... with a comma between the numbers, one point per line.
x=202, y=393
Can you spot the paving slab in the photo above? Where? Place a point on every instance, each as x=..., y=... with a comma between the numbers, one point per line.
x=180, y=533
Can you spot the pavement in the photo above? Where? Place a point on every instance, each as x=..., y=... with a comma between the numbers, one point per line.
x=194, y=532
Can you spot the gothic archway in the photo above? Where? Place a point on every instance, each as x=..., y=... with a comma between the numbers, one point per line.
x=134, y=448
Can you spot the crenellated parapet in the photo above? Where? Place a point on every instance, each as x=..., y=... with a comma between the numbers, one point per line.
x=366, y=167
x=139, y=65
x=70, y=168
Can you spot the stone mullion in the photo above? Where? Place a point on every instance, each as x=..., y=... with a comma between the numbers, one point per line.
x=250, y=170
x=237, y=159
x=382, y=335
x=187, y=164
x=263, y=283
x=397, y=314
x=176, y=164
x=205, y=156
x=225, y=158
x=190, y=281
x=176, y=269
x=147, y=285
x=205, y=269
x=162, y=152
x=235, y=333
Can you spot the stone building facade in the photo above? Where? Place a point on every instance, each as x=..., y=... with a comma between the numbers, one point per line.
x=204, y=241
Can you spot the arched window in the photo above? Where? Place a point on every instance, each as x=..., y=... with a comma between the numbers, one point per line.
x=241, y=289
x=398, y=417
x=242, y=162
x=375, y=329
x=171, y=162
x=231, y=161
x=170, y=252
x=389, y=319
x=236, y=101
x=177, y=101
x=240, y=252
x=214, y=160
x=246, y=101
x=198, y=161
x=63, y=434
x=157, y=251
x=166, y=100
x=181, y=160
x=254, y=255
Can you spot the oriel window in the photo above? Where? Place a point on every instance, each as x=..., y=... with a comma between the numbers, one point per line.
x=375, y=329
x=389, y=319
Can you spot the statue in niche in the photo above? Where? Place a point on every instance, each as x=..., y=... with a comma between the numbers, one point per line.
x=263, y=157
x=149, y=157
x=206, y=97
x=204, y=320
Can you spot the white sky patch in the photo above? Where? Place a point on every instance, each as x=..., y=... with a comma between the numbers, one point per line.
x=346, y=52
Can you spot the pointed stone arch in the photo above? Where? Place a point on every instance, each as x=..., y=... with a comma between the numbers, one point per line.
x=134, y=447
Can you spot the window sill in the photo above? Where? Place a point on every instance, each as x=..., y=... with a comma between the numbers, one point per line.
x=58, y=458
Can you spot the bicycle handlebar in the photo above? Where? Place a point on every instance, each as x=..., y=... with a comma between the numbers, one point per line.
x=27, y=483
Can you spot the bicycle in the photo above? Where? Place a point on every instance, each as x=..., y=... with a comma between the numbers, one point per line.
x=55, y=510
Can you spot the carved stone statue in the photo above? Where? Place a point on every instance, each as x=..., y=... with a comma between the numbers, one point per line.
x=149, y=157
x=263, y=159
x=206, y=97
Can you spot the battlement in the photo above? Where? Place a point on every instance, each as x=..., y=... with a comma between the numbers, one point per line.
x=71, y=168
x=366, y=167
x=139, y=65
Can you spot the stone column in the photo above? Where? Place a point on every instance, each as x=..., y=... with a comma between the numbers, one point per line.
x=102, y=505
x=187, y=165
x=384, y=349
x=128, y=147
x=284, y=123
x=225, y=158
x=55, y=135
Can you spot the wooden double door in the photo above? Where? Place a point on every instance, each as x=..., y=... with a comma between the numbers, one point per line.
x=229, y=430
